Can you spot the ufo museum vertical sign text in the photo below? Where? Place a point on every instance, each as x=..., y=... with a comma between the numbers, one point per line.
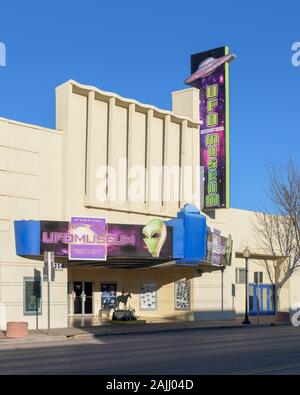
x=210, y=75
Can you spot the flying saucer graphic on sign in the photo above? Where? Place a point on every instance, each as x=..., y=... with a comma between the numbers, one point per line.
x=209, y=65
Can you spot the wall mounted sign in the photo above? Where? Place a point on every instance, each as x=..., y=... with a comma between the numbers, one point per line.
x=216, y=248
x=210, y=75
x=219, y=248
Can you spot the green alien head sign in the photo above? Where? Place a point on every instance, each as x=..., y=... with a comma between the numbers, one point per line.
x=155, y=234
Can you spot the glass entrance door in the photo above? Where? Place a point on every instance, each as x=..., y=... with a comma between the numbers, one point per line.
x=88, y=298
x=83, y=297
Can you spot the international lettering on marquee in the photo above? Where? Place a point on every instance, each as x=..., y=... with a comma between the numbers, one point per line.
x=214, y=127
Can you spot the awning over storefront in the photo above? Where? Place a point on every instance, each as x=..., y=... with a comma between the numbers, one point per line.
x=186, y=240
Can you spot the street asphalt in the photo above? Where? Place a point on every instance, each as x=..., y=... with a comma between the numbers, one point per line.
x=268, y=350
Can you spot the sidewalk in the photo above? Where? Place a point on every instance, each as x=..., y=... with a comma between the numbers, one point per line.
x=137, y=329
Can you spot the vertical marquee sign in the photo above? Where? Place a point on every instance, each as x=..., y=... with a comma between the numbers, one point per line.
x=210, y=75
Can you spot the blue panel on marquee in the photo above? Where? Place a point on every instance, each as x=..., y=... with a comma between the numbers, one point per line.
x=189, y=235
x=194, y=233
x=27, y=237
x=178, y=237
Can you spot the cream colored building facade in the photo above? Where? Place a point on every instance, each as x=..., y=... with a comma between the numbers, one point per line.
x=50, y=174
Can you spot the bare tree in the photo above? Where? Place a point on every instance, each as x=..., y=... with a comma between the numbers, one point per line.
x=279, y=233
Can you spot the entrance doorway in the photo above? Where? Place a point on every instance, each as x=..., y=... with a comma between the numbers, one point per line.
x=83, y=297
x=262, y=298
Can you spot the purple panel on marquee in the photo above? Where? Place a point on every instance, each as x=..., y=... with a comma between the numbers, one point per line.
x=89, y=238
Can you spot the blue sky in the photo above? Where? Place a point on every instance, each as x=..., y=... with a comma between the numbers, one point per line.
x=142, y=50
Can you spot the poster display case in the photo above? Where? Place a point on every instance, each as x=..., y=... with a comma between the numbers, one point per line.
x=148, y=296
x=108, y=295
x=182, y=295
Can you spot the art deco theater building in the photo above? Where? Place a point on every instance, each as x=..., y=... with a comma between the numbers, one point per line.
x=116, y=193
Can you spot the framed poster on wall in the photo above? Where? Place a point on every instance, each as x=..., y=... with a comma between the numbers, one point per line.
x=32, y=296
x=148, y=297
x=108, y=295
x=182, y=295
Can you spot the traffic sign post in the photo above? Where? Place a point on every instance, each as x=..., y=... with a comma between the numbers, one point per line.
x=258, y=278
x=49, y=261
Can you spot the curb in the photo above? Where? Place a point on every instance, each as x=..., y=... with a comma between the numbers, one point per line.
x=39, y=339
x=166, y=330
x=43, y=339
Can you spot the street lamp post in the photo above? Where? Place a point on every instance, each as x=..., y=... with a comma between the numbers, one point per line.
x=246, y=254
